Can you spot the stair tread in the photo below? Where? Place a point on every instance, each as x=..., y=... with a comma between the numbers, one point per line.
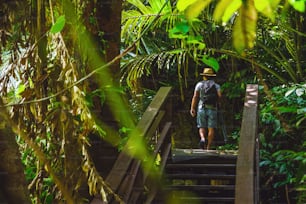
x=208, y=198
x=195, y=175
x=217, y=200
x=179, y=155
x=203, y=167
x=201, y=187
x=184, y=165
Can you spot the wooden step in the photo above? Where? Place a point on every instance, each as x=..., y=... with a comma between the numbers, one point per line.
x=184, y=166
x=208, y=199
x=200, y=156
x=200, y=199
x=200, y=176
x=196, y=188
x=184, y=196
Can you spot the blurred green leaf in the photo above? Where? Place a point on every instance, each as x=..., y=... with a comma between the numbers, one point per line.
x=211, y=62
x=196, y=8
x=183, y=4
x=231, y=9
x=244, y=29
x=194, y=39
x=298, y=5
x=20, y=89
x=301, y=110
x=266, y=7
x=58, y=25
x=284, y=109
x=289, y=92
x=179, y=31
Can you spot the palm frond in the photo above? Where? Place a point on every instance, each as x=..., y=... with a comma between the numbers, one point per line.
x=142, y=66
x=135, y=21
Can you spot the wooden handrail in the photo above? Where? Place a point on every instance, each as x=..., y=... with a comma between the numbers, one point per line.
x=126, y=171
x=246, y=190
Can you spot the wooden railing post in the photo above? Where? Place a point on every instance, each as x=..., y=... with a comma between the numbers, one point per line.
x=246, y=184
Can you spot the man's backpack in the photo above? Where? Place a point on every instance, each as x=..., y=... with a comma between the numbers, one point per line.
x=209, y=95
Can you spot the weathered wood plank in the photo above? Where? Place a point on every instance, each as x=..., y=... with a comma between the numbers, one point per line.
x=163, y=135
x=152, y=110
x=118, y=171
x=121, y=166
x=155, y=124
x=125, y=190
x=153, y=190
x=244, y=192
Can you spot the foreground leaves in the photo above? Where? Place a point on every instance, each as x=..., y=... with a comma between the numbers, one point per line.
x=244, y=14
x=244, y=30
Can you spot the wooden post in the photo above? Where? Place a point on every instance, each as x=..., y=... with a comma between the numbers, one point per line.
x=245, y=176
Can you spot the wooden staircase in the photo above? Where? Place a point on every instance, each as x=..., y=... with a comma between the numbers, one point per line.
x=199, y=176
x=187, y=175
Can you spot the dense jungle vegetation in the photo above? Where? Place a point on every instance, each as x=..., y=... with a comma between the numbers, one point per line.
x=74, y=72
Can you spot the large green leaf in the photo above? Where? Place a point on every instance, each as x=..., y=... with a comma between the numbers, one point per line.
x=196, y=8
x=238, y=35
x=58, y=25
x=274, y=3
x=244, y=30
x=298, y=5
x=265, y=7
x=225, y=9
x=219, y=10
x=179, y=31
x=211, y=62
x=183, y=4
x=194, y=39
x=261, y=4
x=231, y=9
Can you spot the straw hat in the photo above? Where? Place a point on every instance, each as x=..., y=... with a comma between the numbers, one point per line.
x=208, y=72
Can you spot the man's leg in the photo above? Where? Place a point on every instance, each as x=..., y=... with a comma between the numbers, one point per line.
x=212, y=124
x=211, y=135
x=202, y=133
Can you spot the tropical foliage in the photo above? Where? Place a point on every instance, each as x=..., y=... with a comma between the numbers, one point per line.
x=45, y=100
x=54, y=78
x=284, y=161
x=266, y=49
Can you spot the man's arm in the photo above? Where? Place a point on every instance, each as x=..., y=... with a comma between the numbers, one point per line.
x=219, y=94
x=194, y=103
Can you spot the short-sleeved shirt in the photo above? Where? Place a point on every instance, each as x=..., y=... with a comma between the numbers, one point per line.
x=205, y=85
x=206, y=117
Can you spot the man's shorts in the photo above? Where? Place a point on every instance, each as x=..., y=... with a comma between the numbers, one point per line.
x=207, y=118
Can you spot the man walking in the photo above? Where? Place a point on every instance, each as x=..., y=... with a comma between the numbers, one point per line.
x=207, y=95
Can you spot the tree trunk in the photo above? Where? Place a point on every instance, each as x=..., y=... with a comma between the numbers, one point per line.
x=109, y=21
x=13, y=183
x=106, y=32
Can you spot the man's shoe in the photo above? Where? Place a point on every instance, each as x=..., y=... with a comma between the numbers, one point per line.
x=202, y=144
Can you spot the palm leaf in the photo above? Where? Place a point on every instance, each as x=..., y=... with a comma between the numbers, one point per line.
x=135, y=21
x=142, y=66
